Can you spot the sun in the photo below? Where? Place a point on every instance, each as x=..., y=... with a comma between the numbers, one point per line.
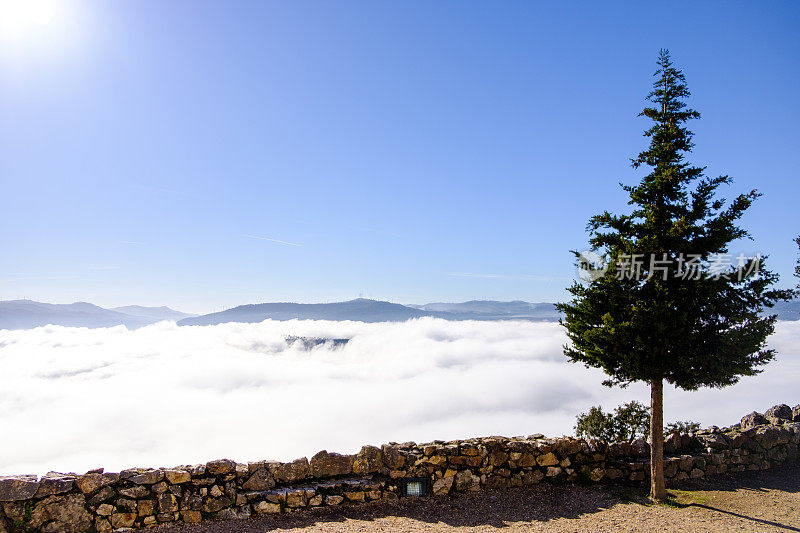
x=19, y=18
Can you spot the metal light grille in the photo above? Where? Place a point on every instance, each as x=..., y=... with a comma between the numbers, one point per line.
x=415, y=488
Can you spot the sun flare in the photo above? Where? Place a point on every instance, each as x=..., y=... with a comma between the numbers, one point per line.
x=19, y=18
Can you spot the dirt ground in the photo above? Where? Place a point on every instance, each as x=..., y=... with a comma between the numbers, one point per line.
x=751, y=501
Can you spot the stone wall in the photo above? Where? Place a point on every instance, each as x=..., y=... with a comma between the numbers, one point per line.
x=223, y=489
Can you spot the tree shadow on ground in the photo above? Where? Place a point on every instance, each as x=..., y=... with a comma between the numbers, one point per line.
x=540, y=503
x=785, y=480
x=745, y=517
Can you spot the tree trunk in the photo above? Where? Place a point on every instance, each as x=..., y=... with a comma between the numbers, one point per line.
x=658, y=491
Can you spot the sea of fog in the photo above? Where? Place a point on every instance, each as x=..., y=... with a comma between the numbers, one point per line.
x=72, y=399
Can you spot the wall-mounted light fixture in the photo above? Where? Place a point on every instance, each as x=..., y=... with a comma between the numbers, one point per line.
x=415, y=487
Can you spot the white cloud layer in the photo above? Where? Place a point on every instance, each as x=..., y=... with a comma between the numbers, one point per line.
x=72, y=399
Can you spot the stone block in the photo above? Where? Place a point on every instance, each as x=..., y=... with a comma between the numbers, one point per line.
x=442, y=486
x=333, y=500
x=176, y=477
x=548, y=459
x=266, y=508
x=54, y=483
x=148, y=477
x=325, y=464
x=297, y=470
x=369, y=460
x=752, y=420
x=220, y=467
x=120, y=520
x=779, y=413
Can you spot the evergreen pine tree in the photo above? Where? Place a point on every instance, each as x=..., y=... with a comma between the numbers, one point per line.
x=669, y=309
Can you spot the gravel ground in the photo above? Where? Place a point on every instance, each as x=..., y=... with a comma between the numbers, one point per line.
x=752, y=501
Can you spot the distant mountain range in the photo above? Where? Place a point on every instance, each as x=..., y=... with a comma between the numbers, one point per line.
x=361, y=310
x=364, y=310
x=493, y=310
x=786, y=310
x=25, y=314
x=157, y=313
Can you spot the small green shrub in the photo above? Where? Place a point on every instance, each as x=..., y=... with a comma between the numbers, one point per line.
x=628, y=422
x=595, y=424
x=632, y=421
x=682, y=426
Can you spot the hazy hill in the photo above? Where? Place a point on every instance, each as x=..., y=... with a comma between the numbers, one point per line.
x=26, y=314
x=377, y=311
x=361, y=309
x=494, y=310
x=156, y=313
x=786, y=310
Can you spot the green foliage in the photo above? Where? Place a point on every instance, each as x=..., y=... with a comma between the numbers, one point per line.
x=23, y=525
x=628, y=422
x=595, y=424
x=632, y=420
x=692, y=333
x=682, y=426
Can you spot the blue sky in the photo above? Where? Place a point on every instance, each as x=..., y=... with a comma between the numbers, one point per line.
x=411, y=151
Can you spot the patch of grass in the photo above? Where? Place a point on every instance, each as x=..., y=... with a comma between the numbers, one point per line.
x=684, y=498
x=676, y=498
